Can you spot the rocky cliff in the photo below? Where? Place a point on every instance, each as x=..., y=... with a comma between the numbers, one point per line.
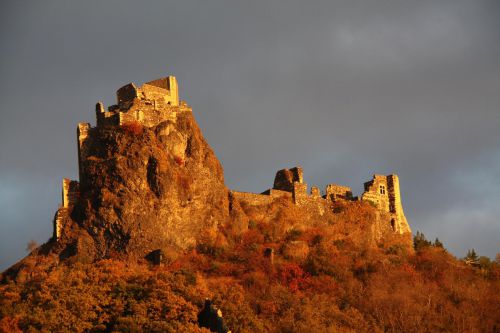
x=284, y=260
x=143, y=188
x=149, y=182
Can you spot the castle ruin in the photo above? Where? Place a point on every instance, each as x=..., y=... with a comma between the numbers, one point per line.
x=149, y=105
x=157, y=101
x=382, y=192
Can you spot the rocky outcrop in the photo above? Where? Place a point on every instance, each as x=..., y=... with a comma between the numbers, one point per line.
x=144, y=188
x=150, y=183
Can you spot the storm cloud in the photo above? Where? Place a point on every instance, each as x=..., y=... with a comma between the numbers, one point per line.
x=343, y=88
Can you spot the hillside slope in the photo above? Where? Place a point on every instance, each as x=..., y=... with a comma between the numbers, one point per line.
x=150, y=230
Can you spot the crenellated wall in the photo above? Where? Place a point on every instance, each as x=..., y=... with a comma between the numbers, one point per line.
x=154, y=102
x=157, y=102
x=336, y=192
x=164, y=91
x=381, y=191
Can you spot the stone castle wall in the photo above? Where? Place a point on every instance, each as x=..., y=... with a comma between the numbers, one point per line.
x=377, y=191
x=395, y=205
x=157, y=101
x=288, y=185
x=315, y=192
x=127, y=94
x=83, y=141
x=70, y=192
x=164, y=91
x=381, y=191
x=59, y=222
x=154, y=102
x=286, y=178
x=149, y=105
x=265, y=198
x=299, y=191
x=336, y=192
x=70, y=195
x=252, y=199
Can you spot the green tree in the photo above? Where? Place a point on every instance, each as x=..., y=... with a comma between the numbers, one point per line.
x=471, y=257
x=437, y=243
x=420, y=242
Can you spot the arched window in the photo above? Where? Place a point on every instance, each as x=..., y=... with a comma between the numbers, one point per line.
x=382, y=189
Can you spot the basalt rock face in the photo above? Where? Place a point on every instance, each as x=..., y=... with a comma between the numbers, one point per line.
x=144, y=189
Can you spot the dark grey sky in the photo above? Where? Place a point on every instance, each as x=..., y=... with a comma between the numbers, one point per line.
x=344, y=88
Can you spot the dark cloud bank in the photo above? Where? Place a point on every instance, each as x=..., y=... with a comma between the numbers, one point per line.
x=343, y=88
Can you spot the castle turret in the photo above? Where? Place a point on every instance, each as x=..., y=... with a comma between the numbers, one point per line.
x=164, y=91
x=292, y=180
x=285, y=179
x=82, y=133
x=384, y=193
x=70, y=194
x=150, y=104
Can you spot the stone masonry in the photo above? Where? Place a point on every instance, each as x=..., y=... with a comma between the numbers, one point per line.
x=149, y=105
x=155, y=105
x=148, y=179
x=336, y=192
x=70, y=194
x=382, y=191
x=152, y=103
x=286, y=178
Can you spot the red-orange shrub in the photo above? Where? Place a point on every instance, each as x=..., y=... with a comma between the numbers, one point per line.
x=133, y=127
x=293, y=276
x=9, y=325
x=178, y=160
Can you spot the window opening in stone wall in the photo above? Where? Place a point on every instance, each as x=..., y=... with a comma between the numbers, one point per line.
x=382, y=189
x=393, y=225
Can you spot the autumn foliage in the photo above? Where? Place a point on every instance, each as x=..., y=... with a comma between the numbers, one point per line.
x=339, y=286
x=133, y=127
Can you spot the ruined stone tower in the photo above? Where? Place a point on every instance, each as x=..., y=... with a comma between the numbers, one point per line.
x=383, y=192
x=149, y=105
x=152, y=103
x=148, y=180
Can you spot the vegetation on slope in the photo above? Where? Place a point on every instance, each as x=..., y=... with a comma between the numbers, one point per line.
x=318, y=280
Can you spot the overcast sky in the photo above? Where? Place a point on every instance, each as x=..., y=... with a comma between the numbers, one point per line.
x=345, y=89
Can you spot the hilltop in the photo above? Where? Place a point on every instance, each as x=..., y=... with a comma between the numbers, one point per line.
x=149, y=230
x=149, y=182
